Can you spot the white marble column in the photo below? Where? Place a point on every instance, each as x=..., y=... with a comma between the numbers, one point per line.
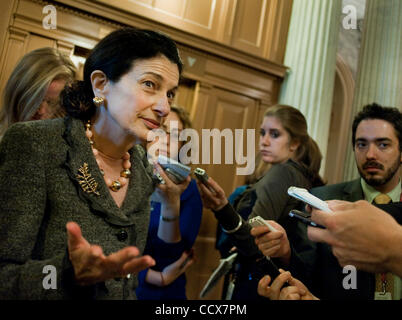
x=311, y=55
x=379, y=75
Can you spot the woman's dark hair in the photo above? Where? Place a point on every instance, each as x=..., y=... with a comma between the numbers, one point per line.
x=308, y=153
x=114, y=55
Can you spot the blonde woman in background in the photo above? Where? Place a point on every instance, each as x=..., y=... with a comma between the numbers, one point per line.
x=33, y=89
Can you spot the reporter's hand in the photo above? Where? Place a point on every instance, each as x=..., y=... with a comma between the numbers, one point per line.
x=170, y=192
x=273, y=244
x=92, y=266
x=295, y=291
x=360, y=234
x=210, y=200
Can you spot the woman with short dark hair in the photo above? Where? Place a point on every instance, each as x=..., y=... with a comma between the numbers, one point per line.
x=89, y=174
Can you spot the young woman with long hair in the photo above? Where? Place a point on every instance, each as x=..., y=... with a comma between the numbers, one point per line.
x=295, y=161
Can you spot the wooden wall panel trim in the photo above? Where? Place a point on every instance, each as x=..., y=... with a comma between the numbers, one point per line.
x=65, y=47
x=84, y=30
x=14, y=49
x=35, y=42
x=249, y=30
x=184, y=38
x=231, y=76
x=279, y=13
x=263, y=33
x=252, y=84
x=208, y=17
x=7, y=8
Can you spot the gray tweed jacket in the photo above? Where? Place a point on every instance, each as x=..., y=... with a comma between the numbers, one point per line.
x=40, y=192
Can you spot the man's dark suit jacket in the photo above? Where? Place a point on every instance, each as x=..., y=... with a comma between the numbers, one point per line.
x=326, y=276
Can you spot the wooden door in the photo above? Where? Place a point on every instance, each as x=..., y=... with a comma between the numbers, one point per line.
x=217, y=109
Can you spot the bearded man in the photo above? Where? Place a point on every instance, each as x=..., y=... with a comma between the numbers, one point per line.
x=376, y=139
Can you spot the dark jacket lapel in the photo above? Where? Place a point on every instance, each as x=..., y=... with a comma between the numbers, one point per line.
x=353, y=191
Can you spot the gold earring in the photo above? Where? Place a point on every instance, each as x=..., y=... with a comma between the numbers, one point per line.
x=98, y=101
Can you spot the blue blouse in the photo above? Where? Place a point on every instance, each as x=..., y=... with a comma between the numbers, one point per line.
x=164, y=253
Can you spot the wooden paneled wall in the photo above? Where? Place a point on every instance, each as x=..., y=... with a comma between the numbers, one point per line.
x=258, y=27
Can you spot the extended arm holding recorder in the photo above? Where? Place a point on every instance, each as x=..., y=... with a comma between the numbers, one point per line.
x=228, y=218
x=213, y=196
x=239, y=230
x=274, y=243
x=171, y=272
x=234, y=225
x=169, y=193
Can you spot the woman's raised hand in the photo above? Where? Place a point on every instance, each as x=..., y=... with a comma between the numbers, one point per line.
x=169, y=191
x=92, y=266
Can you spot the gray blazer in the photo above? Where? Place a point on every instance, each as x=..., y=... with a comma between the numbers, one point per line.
x=40, y=192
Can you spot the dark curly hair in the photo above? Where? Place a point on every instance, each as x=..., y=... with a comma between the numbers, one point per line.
x=375, y=111
x=114, y=55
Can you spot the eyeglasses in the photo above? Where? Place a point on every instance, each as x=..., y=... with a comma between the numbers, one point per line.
x=173, y=133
